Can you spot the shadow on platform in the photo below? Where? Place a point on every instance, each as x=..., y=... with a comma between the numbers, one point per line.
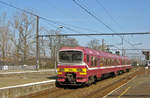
x=52, y=77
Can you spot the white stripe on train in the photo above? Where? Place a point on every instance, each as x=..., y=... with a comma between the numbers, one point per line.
x=107, y=67
x=93, y=68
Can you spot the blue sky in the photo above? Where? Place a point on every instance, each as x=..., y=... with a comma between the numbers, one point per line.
x=131, y=15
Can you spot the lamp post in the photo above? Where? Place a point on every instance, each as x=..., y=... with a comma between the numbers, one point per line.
x=37, y=43
x=57, y=45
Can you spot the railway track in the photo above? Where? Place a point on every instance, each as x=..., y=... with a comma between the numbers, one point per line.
x=97, y=90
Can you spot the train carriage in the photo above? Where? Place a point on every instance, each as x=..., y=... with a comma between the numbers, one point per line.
x=81, y=65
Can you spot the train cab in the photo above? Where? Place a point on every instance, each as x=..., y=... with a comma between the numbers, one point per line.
x=71, y=68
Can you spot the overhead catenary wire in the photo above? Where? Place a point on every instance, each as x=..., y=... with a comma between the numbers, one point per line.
x=130, y=49
x=2, y=2
x=99, y=20
x=107, y=12
x=94, y=16
x=86, y=7
x=48, y=20
x=56, y=22
x=74, y=26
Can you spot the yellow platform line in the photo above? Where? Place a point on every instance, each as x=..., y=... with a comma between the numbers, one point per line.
x=124, y=91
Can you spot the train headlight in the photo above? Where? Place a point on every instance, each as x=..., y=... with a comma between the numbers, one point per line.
x=61, y=69
x=81, y=69
x=58, y=69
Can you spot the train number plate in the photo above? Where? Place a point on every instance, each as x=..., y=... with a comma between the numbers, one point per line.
x=70, y=70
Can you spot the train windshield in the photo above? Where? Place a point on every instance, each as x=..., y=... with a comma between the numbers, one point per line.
x=70, y=56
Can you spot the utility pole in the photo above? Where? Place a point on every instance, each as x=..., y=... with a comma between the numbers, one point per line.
x=37, y=42
x=57, y=46
x=122, y=46
x=103, y=45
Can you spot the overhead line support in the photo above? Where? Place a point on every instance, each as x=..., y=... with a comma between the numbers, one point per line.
x=94, y=34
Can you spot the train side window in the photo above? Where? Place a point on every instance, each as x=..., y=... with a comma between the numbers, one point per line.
x=112, y=62
x=92, y=61
x=87, y=58
x=123, y=62
x=98, y=61
x=106, y=61
x=95, y=61
x=109, y=62
x=101, y=61
x=128, y=62
x=116, y=62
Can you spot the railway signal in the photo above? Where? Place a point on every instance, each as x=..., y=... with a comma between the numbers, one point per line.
x=147, y=54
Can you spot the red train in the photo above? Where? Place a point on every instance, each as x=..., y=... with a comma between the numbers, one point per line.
x=80, y=65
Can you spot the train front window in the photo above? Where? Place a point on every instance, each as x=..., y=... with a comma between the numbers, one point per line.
x=70, y=56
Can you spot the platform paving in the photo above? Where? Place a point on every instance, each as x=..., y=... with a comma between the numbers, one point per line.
x=139, y=87
x=13, y=78
x=20, y=83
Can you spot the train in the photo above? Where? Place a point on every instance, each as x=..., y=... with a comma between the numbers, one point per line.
x=84, y=66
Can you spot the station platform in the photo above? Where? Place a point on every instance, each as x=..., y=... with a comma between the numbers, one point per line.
x=19, y=83
x=138, y=87
x=13, y=78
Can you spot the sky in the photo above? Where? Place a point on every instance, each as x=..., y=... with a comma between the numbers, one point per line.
x=128, y=16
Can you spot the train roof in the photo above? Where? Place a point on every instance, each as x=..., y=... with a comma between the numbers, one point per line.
x=91, y=51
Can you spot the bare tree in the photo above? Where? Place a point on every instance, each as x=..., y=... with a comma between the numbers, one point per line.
x=94, y=44
x=58, y=42
x=68, y=41
x=4, y=36
x=23, y=37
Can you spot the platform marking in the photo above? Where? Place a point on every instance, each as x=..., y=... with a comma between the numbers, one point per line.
x=119, y=87
x=124, y=91
x=26, y=71
x=28, y=84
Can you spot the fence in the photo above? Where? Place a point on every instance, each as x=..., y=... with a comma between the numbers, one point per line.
x=18, y=67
